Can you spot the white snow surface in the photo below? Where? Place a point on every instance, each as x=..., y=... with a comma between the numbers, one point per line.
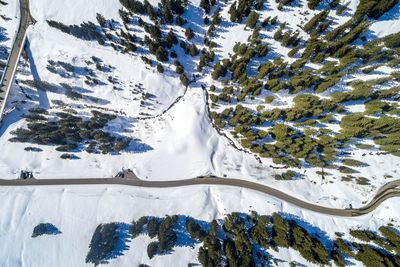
x=176, y=145
x=389, y=23
x=179, y=144
x=76, y=211
x=84, y=10
x=11, y=12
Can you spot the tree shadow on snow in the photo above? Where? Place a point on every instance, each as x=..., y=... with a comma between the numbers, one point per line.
x=123, y=239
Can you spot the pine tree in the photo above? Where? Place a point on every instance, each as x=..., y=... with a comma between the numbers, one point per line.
x=101, y=20
x=312, y=4
x=259, y=4
x=205, y=4
x=216, y=18
x=137, y=7
x=286, y=38
x=161, y=54
x=189, y=33
x=160, y=68
x=152, y=249
x=252, y=20
x=315, y=20
x=233, y=12
x=179, y=20
x=219, y=71
x=155, y=31
x=193, y=50
x=264, y=50
x=149, y=10
x=265, y=22
x=184, y=79
x=293, y=51
x=274, y=20
x=152, y=227
x=278, y=34
x=168, y=15
x=334, y=3
x=171, y=39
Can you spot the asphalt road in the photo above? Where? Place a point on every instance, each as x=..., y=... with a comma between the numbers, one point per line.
x=389, y=190
x=26, y=20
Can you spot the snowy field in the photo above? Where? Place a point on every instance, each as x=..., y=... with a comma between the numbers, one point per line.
x=77, y=211
x=171, y=141
x=179, y=144
x=9, y=22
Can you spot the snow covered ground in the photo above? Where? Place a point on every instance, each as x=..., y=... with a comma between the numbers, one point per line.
x=9, y=22
x=178, y=144
x=77, y=211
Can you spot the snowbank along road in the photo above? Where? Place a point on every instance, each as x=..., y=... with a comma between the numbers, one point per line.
x=391, y=189
x=26, y=20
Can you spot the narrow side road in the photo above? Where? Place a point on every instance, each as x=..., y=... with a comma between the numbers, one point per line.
x=389, y=190
x=26, y=20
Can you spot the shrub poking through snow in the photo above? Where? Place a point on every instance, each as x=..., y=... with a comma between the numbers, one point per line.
x=45, y=229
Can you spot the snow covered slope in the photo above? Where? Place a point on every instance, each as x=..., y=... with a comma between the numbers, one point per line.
x=101, y=89
x=9, y=21
x=77, y=211
x=166, y=123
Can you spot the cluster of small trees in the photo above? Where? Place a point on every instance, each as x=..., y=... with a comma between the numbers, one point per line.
x=215, y=21
x=45, y=229
x=239, y=239
x=283, y=3
x=314, y=21
x=290, y=38
x=68, y=131
x=316, y=151
x=252, y=20
x=206, y=5
x=159, y=45
x=274, y=231
x=164, y=13
x=371, y=256
x=392, y=40
x=163, y=229
x=206, y=58
x=382, y=130
x=238, y=63
x=103, y=243
x=241, y=9
x=87, y=30
x=312, y=4
x=374, y=8
x=220, y=70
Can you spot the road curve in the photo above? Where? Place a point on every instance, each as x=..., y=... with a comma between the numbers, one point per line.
x=25, y=20
x=389, y=190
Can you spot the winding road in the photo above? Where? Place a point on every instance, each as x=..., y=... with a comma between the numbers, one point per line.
x=26, y=20
x=389, y=190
